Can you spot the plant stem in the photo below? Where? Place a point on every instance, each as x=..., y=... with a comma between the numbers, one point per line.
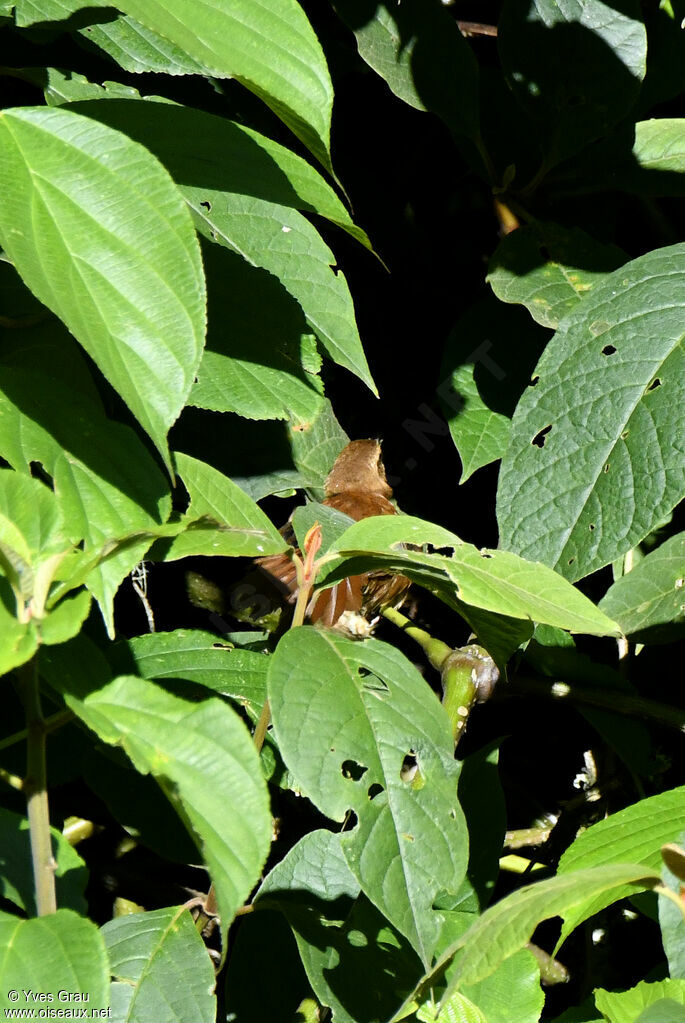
x=51, y=724
x=35, y=787
x=435, y=650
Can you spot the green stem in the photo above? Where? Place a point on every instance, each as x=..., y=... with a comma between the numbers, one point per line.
x=435, y=650
x=35, y=787
x=51, y=724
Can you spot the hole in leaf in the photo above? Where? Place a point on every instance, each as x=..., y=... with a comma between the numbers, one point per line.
x=540, y=438
x=207, y=205
x=571, y=560
x=654, y=384
x=485, y=554
x=453, y=814
x=534, y=380
x=591, y=526
x=608, y=350
x=375, y=790
x=606, y=468
x=625, y=434
x=351, y=769
x=409, y=767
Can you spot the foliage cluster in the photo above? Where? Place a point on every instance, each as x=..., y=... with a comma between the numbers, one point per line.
x=179, y=342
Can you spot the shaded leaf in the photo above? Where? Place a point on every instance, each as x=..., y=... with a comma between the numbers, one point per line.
x=549, y=269
x=272, y=51
x=418, y=49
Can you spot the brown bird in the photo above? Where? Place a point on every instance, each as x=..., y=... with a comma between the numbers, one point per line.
x=356, y=486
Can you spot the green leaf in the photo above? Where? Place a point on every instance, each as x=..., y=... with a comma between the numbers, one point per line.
x=512, y=992
x=16, y=877
x=272, y=51
x=109, y=485
x=488, y=359
x=418, y=49
x=98, y=231
x=660, y=146
x=315, y=449
x=346, y=715
x=318, y=894
x=49, y=954
x=138, y=49
x=65, y=619
x=601, y=419
x=235, y=526
x=458, y=1009
x=68, y=87
x=506, y=927
x=671, y=922
x=282, y=241
x=233, y=159
x=495, y=581
x=28, y=12
x=577, y=68
x=204, y=760
x=18, y=640
x=267, y=365
x=628, y=1006
x=160, y=968
x=636, y=833
x=199, y=657
x=29, y=517
x=549, y=269
x=651, y=596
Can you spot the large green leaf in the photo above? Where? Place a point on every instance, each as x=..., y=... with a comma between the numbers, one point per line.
x=270, y=48
x=232, y=159
x=507, y=926
x=418, y=49
x=319, y=895
x=346, y=716
x=160, y=967
x=200, y=657
x=577, y=67
x=138, y=49
x=651, y=597
x=595, y=454
x=99, y=232
x=487, y=362
x=237, y=526
x=633, y=1006
x=203, y=758
x=59, y=952
x=492, y=580
x=282, y=241
x=261, y=359
x=28, y=12
x=549, y=269
x=636, y=833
